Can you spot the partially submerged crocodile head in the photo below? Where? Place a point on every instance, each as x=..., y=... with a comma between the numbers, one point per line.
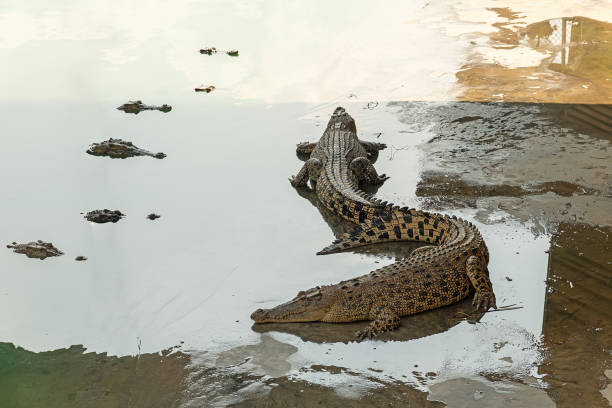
x=308, y=306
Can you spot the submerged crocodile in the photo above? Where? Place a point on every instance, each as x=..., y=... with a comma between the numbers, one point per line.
x=120, y=149
x=104, y=216
x=137, y=106
x=36, y=249
x=432, y=276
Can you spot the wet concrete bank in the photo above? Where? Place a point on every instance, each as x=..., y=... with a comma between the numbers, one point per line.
x=538, y=162
x=547, y=166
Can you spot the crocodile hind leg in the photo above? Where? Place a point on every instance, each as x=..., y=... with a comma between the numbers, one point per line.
x=372, y=148
x=365, y=171
x=479, y=277
x=383, y=318
x=310, y=170
x=304, y=149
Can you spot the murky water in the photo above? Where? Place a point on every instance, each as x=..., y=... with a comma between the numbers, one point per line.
x=158, y=315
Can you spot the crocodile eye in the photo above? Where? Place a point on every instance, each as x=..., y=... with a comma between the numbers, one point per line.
x=301, y=293
x=314, y=296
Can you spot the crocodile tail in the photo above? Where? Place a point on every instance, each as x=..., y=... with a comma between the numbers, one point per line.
x=396, y=224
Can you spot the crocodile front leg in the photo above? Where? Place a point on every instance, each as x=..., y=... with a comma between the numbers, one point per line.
x=310, y=170
x=383, y=318
x=365, y=171
x=480, y=280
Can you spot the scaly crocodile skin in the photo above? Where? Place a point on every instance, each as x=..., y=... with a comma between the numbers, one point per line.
x=431, y=277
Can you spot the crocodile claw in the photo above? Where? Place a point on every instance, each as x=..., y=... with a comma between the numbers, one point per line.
x=369, y=333
x=381, y=179
x=486, y=300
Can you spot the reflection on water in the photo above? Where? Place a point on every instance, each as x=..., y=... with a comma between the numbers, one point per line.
x=558, y=60
x=579, y=46
x=72, y=377
x=577, y=316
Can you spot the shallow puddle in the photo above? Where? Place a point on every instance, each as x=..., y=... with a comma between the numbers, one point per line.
x=158, y=315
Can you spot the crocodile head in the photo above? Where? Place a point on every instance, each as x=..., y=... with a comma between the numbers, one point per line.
x=308, y=306
x=341, y=119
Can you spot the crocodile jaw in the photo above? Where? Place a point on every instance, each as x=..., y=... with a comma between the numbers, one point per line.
x=309, y=306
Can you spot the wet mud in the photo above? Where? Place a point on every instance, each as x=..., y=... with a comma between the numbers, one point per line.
x=104, y=216
x=36, y=249
x=120, y=149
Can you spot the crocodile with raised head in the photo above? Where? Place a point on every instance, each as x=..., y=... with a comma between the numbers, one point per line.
x=432, y=276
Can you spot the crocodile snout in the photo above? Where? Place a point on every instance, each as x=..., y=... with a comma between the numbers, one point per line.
x=259, y=315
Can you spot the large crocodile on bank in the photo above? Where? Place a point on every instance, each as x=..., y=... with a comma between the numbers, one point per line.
x=431, y=277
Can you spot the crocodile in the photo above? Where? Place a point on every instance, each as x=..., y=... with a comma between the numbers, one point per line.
x=450, y=268
x=104, y=216
x=36, y=249
x=137, y=106
x=120, y=149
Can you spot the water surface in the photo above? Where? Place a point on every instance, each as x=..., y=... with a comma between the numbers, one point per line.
x=159, y=313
